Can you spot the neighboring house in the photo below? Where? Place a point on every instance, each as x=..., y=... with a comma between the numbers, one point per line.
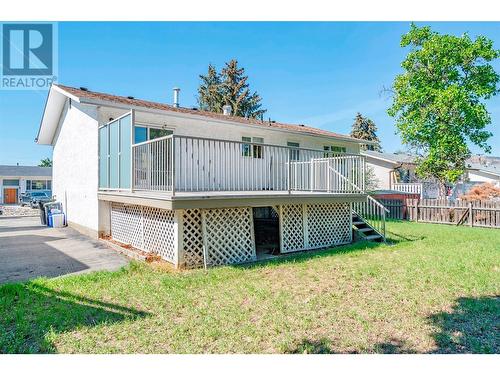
x=18, y=179
x=479, y=172
x=397, y=172
x=189, y=184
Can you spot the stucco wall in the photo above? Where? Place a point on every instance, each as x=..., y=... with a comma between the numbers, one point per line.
x=75, y=166
x=381, y=171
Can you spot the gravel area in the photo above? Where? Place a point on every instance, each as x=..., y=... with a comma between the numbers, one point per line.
x=13, y=211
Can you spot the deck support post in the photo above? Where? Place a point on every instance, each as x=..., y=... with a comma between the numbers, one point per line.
x=179, y=238
x=305, y=227
x=132, y=159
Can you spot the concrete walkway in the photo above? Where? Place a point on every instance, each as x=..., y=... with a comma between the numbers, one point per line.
x=29, y=250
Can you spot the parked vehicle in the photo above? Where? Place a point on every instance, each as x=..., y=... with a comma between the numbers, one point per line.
x=33, y=198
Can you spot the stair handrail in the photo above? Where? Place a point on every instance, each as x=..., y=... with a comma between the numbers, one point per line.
x=376, y=202
x=374, y=214
x=345, y=178
x=380, y=229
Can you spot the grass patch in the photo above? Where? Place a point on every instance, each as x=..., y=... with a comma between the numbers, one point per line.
x=434, y=290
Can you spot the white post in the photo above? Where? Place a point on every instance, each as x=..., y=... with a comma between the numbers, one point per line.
x=178, y=238
x=132, y=149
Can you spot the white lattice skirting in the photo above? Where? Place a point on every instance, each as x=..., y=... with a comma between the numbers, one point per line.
x=197, y=237
x=228, y=235
x=192, y=238
x=313, y=226
x=146, y=228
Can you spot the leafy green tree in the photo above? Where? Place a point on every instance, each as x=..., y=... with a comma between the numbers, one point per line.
x=229, y=87
x=364, y=128
x=47, y=162
x=439, y=99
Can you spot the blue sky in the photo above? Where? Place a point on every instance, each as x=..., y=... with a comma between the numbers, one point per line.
x=319, y=74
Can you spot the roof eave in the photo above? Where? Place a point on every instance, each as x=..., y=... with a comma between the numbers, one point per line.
x=496, y=174
x=54, y=105
x=395, y=163
x=138, y=108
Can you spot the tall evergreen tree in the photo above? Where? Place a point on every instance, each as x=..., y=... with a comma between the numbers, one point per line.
x=236, y=92
x=47, y=162
x=229, y=87
x=364, y=128
x=210, y=91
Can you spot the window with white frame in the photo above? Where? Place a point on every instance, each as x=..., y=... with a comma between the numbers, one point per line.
x=257, y=149
x=8, y=182
x=252, y=150
x=333, y=150
x=38, y=184
x=294, y=154
x=143, y=133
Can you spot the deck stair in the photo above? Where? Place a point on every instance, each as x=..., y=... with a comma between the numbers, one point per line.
x=368, y=219
x=365, y=230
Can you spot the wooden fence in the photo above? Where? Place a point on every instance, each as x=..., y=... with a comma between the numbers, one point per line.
x=474, y=214
x=397, y=208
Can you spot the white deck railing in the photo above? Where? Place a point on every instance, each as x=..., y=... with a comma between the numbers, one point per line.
x=190, y=164
x=408, y=187
x=340, y=174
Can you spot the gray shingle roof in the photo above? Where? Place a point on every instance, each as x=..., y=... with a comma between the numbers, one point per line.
x=25, y=171
x=493, y=169
x=492, y=166
x=396, y=158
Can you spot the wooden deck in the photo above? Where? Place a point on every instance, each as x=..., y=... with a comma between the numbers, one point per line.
x=219, y=199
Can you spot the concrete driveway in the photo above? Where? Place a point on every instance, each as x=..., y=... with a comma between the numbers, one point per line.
x=29, y=250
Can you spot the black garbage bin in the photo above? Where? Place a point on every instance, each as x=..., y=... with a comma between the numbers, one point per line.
x=43, y=215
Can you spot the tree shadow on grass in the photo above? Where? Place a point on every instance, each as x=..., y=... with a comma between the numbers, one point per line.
x=472, y=327
x=395, y=238
x=31, y=313
x=324, y=346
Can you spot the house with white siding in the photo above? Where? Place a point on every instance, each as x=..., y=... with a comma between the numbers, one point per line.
x=397, y=172
x=483, y=172
x=18, y=179
x=201, y=188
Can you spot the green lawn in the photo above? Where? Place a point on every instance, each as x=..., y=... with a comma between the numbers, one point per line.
x=435, y=289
